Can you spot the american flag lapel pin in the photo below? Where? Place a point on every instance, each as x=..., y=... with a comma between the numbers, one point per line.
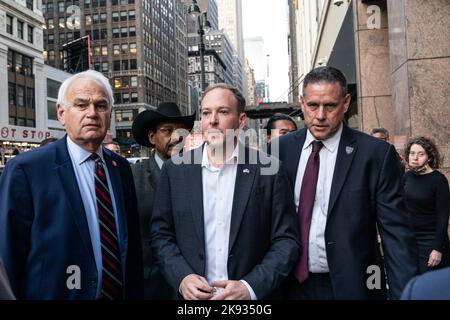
x=246, y=171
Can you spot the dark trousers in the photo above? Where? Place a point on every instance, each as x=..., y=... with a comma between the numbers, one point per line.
x=316, y=287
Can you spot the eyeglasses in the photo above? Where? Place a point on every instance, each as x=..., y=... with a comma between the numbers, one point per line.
x=166, y=131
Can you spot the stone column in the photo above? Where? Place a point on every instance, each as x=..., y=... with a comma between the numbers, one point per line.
x=419, y=33
x=372, y=65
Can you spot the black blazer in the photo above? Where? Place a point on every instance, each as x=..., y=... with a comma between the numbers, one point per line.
x=263, y=245
x=366, y=190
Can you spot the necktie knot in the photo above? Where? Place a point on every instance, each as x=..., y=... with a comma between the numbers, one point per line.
x=95, y=157
x=316, y=146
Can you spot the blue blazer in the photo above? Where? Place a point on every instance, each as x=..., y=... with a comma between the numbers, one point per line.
x=433, y=285
x=44, y=230
x=366, y=190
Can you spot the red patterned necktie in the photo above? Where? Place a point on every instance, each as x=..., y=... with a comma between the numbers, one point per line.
x=112, y=287
x=305, y=207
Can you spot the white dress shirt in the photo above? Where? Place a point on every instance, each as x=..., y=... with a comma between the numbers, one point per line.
x=317, y=255
x=84, y=173
x=218, y=192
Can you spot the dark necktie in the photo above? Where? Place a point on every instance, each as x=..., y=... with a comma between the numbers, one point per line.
x=111, y=267
x=305, y=207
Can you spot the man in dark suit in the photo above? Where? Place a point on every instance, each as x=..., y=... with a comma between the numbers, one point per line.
x=223, y=227
x=69, y=227
x=432, y=285
x=158, y=129
x=345, y=183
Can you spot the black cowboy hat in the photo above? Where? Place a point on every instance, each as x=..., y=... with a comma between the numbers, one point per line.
x=148, y=119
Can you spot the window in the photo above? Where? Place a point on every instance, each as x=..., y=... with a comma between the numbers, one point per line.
x=50, y=7
x=133, y=48
x=132, y=31
x=103, y=17
x=20, y=29
x=87, y=4
x=133, y=81
x=30, y=4
x=21, y=122
x=105, y=67
x=51, y=56
x=18, y=62
x=30, y=123
x=124, y=32
x=117, y=99
x=125, y=82
x=115, y=16
x=124, y=48
x=52, y=88
x=132, y=15
x=61, y=7
x=116, y=65
x=124, y=64
x=134, y=97
x=123, y=16
x=125, y=97
x=104, y=50
x=133, y=64
x=12, y=94
x=50, y=23
x=62, y=23
x=30, y=34
x=9, y=24
x=51, y=110
x=95, y=18
x=30, y=98
x=116, y=33
x=116, y=50
x=27, y=66
x=88, y=20
x=51, y=39
x=96, y=51
x=117, y=83
x=103, y=34
x=20, y=96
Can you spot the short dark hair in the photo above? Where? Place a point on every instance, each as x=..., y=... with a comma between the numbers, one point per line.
x=380, y=130
x=430, y=148
x=326, y=74
x=276, y=117
x=237, y=94
x=47, y=141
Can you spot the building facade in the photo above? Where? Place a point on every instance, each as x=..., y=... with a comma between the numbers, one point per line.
x=138, y=44
x=251, y=84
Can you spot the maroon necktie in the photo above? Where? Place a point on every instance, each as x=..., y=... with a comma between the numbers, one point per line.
x=305, y=207
x=112, y=287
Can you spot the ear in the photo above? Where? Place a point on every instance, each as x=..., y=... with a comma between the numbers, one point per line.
x=347, y=99
x=151, y=137
x=61, y=112
x=242, y=120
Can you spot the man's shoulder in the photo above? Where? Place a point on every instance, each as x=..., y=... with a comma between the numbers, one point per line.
x=431, y=285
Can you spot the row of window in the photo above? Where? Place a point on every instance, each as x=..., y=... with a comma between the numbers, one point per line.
x=23, y=122
x=125, y=97
x=125, y=82
x=61, y=5
x=20, y=29
x=124, y=32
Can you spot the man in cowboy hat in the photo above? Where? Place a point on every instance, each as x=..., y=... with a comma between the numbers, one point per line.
x=160, y=130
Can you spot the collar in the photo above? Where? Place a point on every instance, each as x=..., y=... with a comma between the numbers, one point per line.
x=233, y=159
x=331, y=144
x=80, y=155
x=158, y=160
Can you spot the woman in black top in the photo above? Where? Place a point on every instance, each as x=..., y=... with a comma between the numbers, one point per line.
x=427, y=199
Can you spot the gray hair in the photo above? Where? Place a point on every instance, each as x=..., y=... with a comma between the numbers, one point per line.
x=89, y=74
x=380, y=130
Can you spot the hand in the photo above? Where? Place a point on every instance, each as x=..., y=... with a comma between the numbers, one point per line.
x=195, y=287
x=233, y=290
x=435, y=258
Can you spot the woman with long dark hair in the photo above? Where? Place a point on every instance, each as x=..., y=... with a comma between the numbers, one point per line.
x=427, y=199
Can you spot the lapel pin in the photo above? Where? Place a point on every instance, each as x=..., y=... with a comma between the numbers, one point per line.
x=114, y=163
x=349, y=150
x=246, y=171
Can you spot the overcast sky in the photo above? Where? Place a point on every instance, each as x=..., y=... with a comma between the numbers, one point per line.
x=269, y=20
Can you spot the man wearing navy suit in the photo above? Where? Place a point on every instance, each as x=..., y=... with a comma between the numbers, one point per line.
x=345, y=183
x=222, y=226
x=68, y=220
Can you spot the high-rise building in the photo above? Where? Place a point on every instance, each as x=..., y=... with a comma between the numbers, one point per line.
x=26, y=118
x=230, y=20
x=138, y=44
x=255, y=52
x=251, y=84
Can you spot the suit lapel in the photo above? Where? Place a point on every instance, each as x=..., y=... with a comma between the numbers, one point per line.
x=66, y=174
x=116, y=183
x=245, y=177
x=153, y=172
x=292, y=157
x=346, y=152
x=193, y=174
